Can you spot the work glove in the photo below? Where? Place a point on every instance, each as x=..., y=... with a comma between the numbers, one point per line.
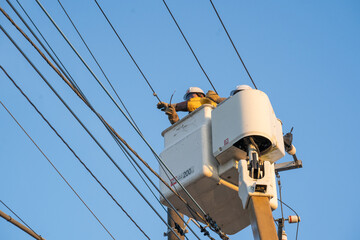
x=172, y=115
x=162, y=105
x=214, y=96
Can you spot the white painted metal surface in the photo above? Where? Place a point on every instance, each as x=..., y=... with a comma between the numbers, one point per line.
x=247, y=113
x=188, y=154
x=247, y=185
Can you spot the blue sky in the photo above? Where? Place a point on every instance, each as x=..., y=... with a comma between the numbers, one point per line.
x=304, y=54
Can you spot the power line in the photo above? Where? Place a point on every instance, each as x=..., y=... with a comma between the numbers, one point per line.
x=98, y=64
x=298, y=223
x=110, y=128
x=72, y=151
x=162, y=164
x=132, y=162
x=187, y=42
x=232, y=43
x=74, y=89
x=62, y=67
x=88, y=104
x=127, y=50
x=69, y=185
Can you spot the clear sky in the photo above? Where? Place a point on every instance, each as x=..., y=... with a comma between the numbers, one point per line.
x=304, y=54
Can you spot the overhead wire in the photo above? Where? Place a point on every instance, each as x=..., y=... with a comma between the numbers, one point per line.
x=64, y=179
x=162, y=164
x=97, y=63
x=128, y=52
x=298, y=223
x=8, y=206
x=88, y=104
x=232, y=43
x=62, y=68
x=69, y=84
x=188, y=44
x=73, y=152
x=102, y=86
x=111, y=129
x=282, y=203
x=135, y=166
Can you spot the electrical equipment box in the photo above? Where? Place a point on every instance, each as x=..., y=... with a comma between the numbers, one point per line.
x=246, y=114
x=189, y=155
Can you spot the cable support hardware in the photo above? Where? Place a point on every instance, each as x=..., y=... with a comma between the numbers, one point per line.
x=99, y=116
x=188, y=44
x=64, y=179
x=232, y=43
x=72, y=151
x=105, y=123
x=128, y=52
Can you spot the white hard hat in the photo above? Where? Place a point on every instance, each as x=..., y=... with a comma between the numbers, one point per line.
x=239, y=88
x=193, y=90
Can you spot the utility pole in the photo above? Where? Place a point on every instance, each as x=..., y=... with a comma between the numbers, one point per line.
x=174, y=219
x=261, y=218
x=21, y=226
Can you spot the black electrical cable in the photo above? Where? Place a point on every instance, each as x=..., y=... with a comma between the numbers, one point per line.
x=98, y=64
x=127, y=50
x=133, y=163
x=64, y=179
x=298, y=223
x=232, y=43
x=187, y=42
x=58, y=62
x=4, y=203
x=104, y=122
x=97, y=114
x=72, y=151
x=82, y=97
x=157, y=157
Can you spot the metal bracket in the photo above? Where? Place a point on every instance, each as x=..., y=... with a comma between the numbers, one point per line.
x=279, y=167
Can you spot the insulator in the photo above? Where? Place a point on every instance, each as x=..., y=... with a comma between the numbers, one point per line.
x=283, y=235
x=292, y=150
x=294, y=219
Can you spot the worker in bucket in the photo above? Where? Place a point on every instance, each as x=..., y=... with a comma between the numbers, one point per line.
x=194, y=98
